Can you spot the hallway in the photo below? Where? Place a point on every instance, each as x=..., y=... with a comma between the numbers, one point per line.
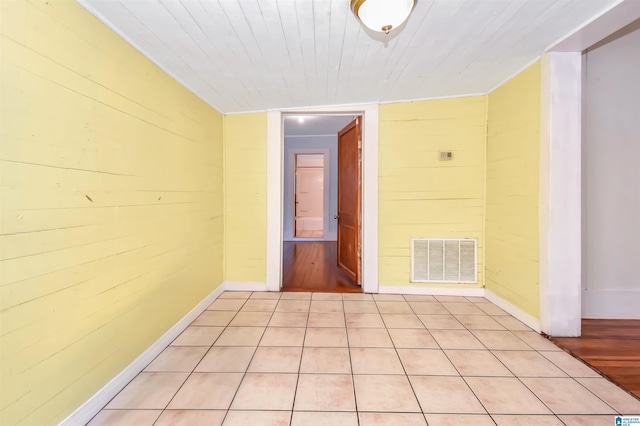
x=313, y=266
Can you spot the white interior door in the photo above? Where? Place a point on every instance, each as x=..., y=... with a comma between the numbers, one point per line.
x=309, y=196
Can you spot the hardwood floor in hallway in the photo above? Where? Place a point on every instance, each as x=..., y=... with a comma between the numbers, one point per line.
x=610, y=346
x=313, y=266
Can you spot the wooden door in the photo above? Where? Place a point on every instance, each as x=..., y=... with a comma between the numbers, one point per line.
x=350, y=199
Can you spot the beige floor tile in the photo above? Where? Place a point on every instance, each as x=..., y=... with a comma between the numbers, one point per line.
x=510, y=323
x=477, y=299
x=326, y=418
x=326, y=306
x=283, y=336
x=419, y=298
x=491, y=309
x=456, y=339
x=125, y=418
x=198, y=336
x=392, y=419
x=226, y=359
x=402, y=321
x=226, y=305
x=375, y=361
x=240, y=336
x=369, y=338
x=500, y=340
x=327, y=296
x=251, y=319
x=214, y=318
x=235, y=295
x=566, y=396
x=394, y=307
x=289, y=319
x=412, y=338
x=451, y=299
x=296, y=295
x=203, y=391
x=191, y=418
x=460, y=420
x=325, y=392
x=478, y=322
x=570, y=365
x=178, y=358
x=388, y=297
x=445, y=394
x=541, y=420
x=352, y=307
x=259, y=305
x=528, y=364
x=536, y=341
x=466, y=308
x=319, y=319
x=617, y=398
x=594, y=420
x=255, y=418
x=326, y=337
x=326, y=360
x=385, y=393
x=477, y=363
x=422, y=362
x=506, y=395
x=364, y=320
x=266, y=392
x=357, y=297
x=441, y=322
x=285, y=305
x=148, y=391
x=428, y=308
x=265, y=295
x=269, y=359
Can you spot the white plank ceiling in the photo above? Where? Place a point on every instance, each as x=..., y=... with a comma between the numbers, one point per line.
x=253, y=55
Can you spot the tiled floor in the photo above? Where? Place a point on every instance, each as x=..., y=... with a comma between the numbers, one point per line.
x=357, y=359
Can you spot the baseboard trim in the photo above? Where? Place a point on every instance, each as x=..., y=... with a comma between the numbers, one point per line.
x=83, y=414
x=244, y=286
x=516, y=312
x=432, y=291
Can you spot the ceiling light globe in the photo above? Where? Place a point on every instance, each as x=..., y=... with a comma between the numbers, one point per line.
x=382, y=15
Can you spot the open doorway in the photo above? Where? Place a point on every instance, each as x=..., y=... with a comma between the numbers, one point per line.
x=310, y=220
x=308, y=196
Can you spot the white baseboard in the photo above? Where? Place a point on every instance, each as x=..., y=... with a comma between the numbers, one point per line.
x=516, y=312
x=244, y=286
x=432, y=291
x=83, y=414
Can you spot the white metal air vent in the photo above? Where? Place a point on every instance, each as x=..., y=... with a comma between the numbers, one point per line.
x=443, y=260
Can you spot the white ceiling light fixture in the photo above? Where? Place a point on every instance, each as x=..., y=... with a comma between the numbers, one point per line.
x=382, y=15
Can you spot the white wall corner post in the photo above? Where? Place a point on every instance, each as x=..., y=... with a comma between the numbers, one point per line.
x=274, y=200
x=560, y=194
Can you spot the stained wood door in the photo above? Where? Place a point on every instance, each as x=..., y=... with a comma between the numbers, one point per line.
x=350, y=200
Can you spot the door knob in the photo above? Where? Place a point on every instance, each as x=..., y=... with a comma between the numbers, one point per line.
x=336, y=217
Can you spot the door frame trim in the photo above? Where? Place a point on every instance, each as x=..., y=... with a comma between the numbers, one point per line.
x=275, y=191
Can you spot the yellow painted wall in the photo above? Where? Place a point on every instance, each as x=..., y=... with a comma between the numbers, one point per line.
x=420, y=196
x=111, y=207
x=513, y=141
x=245, y=181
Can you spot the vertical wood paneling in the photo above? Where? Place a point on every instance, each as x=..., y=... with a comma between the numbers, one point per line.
x=245, y=183
x=513, y=141
x=111, y=207
x=421, y=196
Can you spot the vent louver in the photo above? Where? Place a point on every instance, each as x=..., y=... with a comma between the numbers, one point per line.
x=439, y=260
